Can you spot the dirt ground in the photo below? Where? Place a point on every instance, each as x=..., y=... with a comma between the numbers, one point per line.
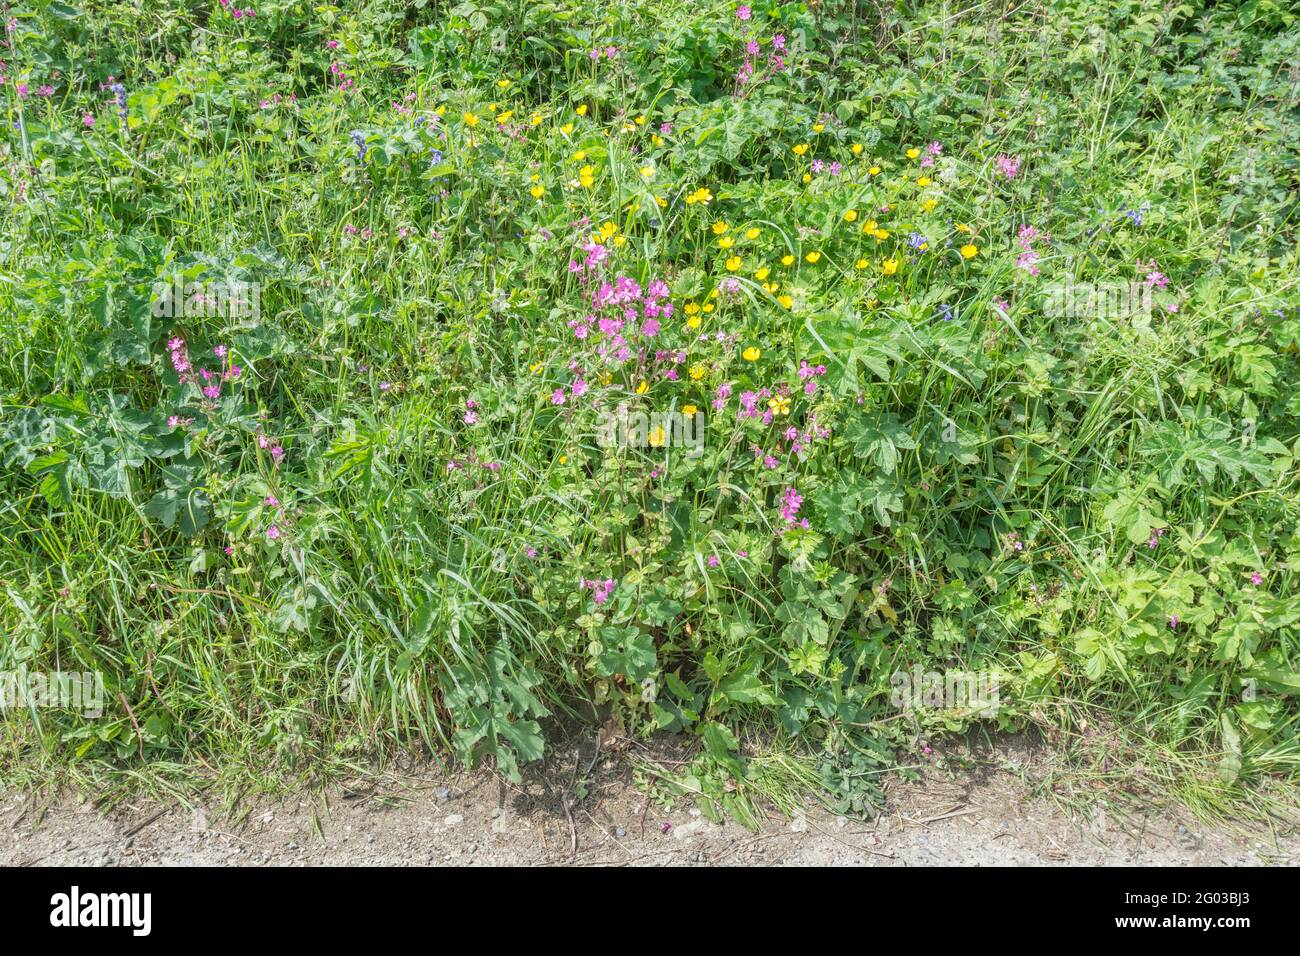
x=980, y=816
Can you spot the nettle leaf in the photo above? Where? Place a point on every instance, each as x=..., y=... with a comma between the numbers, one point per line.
x=628, y=651
x=883, y=496
x=1203, y=451
x=25, y=433
x=878, y=437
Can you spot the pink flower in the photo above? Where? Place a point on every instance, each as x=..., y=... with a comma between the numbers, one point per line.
x=88, y=121
x=557, y=397
x=743, y=12
x=1257, y=579
x=714, y=561
x=1008, y=165
x=273, y=532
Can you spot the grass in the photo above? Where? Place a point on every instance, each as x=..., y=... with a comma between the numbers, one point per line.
x=397, y=530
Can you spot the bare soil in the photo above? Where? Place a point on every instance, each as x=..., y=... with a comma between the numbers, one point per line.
x=983, y=815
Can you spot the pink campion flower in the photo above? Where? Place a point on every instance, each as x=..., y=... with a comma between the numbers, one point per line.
x=752, y=48
x=173, y=421
x=579, y=388
x=22, y=90
x=471, y=416
x=212, y=391
x=557, y=397
x=791, y=501
x=743, y=12
x=714, y=561
x=263, y=441
x=219, y=351
x=277, y=453
x=331, y=44
x=1174, y=620
x=46, y=91
x=1257, y=579
x=273, y=532
x=88, y=121
x=1009, y=166
x=778, y=42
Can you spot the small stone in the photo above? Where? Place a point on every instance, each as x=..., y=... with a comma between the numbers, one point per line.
x=442, y=793
x=620, y=832
x=454, y=820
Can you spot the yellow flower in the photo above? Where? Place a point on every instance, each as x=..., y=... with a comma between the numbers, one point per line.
x=656, y=437
x=752, y=354
x=587, y=176
x=929, y=204
x=505, y=117
x=889, y=266
x=787, y=260
x=753, y=233
x=733, y=263
x=471, y=119
x=656, y=139
x=818, y=127
x=761, y=273
x=692, y=308
x=647, y=172
x=813, y=256
x=800, y=149
x=536, y=367
x=564, y=459
x=689, y=409
x=857, y=149
x=962, y=227
x=640, y=121
x=780, y=404
x=693, y=322
x=719, y=227
x=502, y=84
x=582, y=110
x=535, y=119
x=969, y=251
x=708, y=307
x=697, y=371
x=807, y=177
x=700, y=195
x=873, y=171
x=566, y=129
x=726, y=242
x=923, y=181
x=869, y=226
x=913, y=153
x=538, y=191
x=609, y=229
x=786, y=301
x=642, y=388
x=661, y=202
x=882, y=234
x=861, y=264
x=850, y=215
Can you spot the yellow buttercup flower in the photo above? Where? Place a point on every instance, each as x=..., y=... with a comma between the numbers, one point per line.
x=850, y=215
x=861, y=264
x=761, y=273
x=656, y=437
x=818, y=127
x=913, y=153
x=807, y=177
x=813, y=256
x=692, y=308
x=800, y=149
x=752, y=354
x=857, y=149
x=535, y=119
x=779, y=404
x=873, y=171
x=689, y=410
x=733, y=263
x=923, y=181
x=582, y=110
x=787, y=260
x=869, y=226
x=536, y=367
x=471, y=119
x=786, y=301
x=889, y=266
x=587, y=176
x=929, y=204
x=538, y=191
x=647, y=172
x=969, y=251
x=640, y=121
x=642, y=388
x=882, y=234
x=566, y=129
x=753, y=233
x=697, y=371
x=719, y=227
x=726, y=242
x=503, y=83
x=693, y=322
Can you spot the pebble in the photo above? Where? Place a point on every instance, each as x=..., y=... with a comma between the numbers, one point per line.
x=454, y=820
